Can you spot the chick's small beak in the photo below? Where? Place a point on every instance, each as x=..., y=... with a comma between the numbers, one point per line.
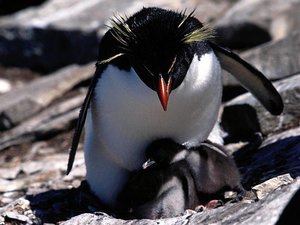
x=163, y=91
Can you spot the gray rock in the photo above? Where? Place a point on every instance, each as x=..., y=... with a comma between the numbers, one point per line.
x=263, y=212
x=19, y=212
x=241, y=35
x=276, y=156
x=5, y=86
x=12, y=185
x=57, y=33
x=276, y=60
x=46, y=50
x=265, y=188
x=16, y=216
x=56, y=119
x=8, y=7
x=10, y=173
x=262, y=190
x=289, y=90
x=286, y=22
x=258, y=12
x=23, y=103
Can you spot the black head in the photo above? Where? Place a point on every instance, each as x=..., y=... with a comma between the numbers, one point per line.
x=159, y=44
x=163, y=151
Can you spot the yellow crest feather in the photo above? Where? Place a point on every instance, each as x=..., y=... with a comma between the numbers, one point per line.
x=201, y=34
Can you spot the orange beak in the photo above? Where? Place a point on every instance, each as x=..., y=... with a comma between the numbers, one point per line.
x=163, y=91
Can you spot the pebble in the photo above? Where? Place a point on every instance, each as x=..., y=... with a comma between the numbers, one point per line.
x=5, y=86
x=14, y=185
x=32, y=167
x=16, y=216
x=265, y=188
x=2, y=220
x=10, y=173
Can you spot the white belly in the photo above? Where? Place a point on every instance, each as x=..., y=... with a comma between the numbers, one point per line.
x=126, y=115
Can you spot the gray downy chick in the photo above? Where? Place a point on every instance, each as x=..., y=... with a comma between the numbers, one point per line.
x=179, y=179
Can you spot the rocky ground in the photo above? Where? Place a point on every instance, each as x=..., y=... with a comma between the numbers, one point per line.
x=47, y=56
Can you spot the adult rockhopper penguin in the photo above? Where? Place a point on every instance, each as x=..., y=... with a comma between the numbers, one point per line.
x=158, y=75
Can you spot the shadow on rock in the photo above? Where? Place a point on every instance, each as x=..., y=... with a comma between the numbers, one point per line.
x=269, y=161
x=59, y=205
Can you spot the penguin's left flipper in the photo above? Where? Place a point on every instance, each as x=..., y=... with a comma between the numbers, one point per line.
x=250, y=78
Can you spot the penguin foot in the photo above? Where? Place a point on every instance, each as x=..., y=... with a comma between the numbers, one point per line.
x=215, y=203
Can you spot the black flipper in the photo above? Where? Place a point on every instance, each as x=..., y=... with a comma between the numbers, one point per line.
x=82, y=117
x=250, y=78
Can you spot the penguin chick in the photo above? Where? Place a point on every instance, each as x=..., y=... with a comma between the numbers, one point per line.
x=213, y=169
x=179, y=179
x=207, y=163
x=158, y=191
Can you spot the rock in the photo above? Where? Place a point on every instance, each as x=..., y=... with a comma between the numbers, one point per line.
x=46, y=50
x=276, y=60
x=286, y=22
x=264, y=212
x=236, y=125
x=102, y=219
x=262, y=190
x=10, y=173
x=9, y=197
x=276, y=156
x=289, y=90
x=19, y=212
x=257, y=12
x=23, y=103
x=240, y=35
x=55, y=34
x=290, y=214
x=32, y=167
x=17, y=217
x=13, y=185
x=55, y=119
x=8, y=7
x=205, y=10
x=5, y=86
x=73, y=27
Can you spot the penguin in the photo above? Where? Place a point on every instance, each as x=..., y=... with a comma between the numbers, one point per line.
x=158, y=75
x=175, y=179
